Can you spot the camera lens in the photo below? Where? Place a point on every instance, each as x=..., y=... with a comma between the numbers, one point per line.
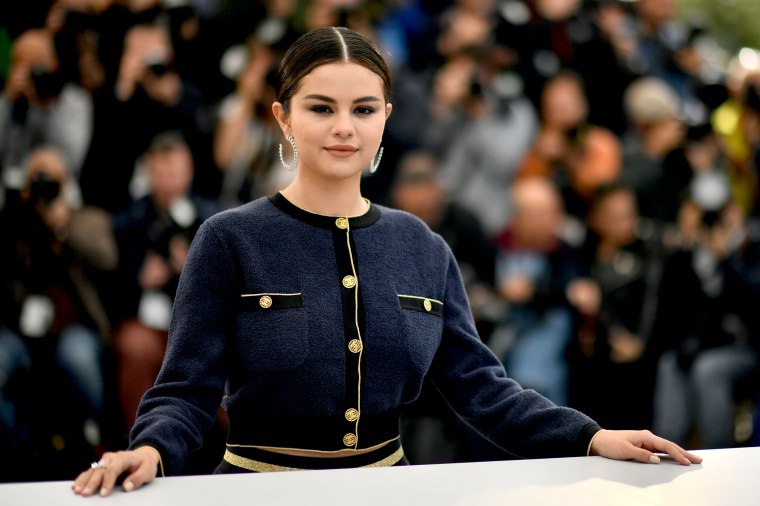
x=157, y=66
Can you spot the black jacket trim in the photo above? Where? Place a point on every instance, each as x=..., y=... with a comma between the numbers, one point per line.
x=322, y=221
x=270, y=301
x=322, y=433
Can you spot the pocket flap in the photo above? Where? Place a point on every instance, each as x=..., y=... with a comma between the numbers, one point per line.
x=422, y=304
x=270, y=301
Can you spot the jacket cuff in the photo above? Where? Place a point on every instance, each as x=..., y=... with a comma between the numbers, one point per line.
x=585, y=437
x=163, y=458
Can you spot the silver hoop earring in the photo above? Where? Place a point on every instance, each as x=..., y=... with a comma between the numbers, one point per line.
x=375, y=163
x=294, y=163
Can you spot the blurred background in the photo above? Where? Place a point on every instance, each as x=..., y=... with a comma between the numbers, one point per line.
x=594, y=166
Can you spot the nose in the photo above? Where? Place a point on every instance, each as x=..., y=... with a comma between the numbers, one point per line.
x=343, y=125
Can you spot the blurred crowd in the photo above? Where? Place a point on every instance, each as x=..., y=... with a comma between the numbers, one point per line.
x=594, y=165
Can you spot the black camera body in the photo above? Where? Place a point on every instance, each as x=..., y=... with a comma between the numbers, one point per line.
x=180, y=220
x=43, y=190
x=47, y=85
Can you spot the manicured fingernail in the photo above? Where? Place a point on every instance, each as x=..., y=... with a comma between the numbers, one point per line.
x=86, y=491
x=76, y=488
x=129, y=486
x=103, y=492
x=654, y=459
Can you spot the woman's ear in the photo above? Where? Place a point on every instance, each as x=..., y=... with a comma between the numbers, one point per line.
x=388, y=109
x=282, y=117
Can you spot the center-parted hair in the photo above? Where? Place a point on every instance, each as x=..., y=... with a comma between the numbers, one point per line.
x=324, y=46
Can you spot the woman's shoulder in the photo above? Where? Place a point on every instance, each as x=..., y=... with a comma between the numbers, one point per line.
x=399, y=218
x=410, y=227
x=256, y=211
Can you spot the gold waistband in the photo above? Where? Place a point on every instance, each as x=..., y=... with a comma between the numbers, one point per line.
x=263, y=467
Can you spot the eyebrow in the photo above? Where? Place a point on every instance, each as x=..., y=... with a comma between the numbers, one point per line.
x=330, y=100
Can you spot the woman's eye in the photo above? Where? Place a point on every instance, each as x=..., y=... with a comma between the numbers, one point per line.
x=321, y=109
x=364, y=110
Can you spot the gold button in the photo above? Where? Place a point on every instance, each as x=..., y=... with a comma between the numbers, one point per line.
x=349, y=439
x=265, y=302
x=352, y=415
x=427, y=305
x=349, y=281
x=341, y=223
x=355, y=346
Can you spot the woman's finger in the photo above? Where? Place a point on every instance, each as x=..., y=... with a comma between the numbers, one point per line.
x=101, y=477
x=682, y=456
x=93, y=483
x=114, y=468
x=81, y=480
x=676, y=452
x=145, y=473
x=694, y=459
x=642, y=455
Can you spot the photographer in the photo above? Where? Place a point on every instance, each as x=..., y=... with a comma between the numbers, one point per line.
x=153, y=235
x=38, y=108
x=149, y=97
x=574, y=153
x=50, y=309
x=707, y=325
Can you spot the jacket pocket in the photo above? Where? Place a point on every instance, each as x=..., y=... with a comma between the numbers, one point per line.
x=271, y=331
x=423, y=324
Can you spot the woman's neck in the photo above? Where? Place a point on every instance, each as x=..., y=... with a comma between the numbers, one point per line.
x=326, y=197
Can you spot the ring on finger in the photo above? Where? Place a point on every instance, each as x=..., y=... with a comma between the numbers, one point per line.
x=99, y=465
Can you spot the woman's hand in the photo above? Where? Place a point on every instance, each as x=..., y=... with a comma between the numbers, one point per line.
x=141, y=464
x=638, y=445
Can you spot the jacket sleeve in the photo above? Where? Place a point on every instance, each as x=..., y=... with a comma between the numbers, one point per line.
x=175, y=413
x=475, y=385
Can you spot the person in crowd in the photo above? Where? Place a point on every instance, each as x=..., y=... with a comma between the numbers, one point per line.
x=610, y=359
x=651, y=41
x=543, y=280
x=480, y=155
x=316, y=307
x=546, y=36
x=38, y=107
x=736, y=122
x=153, y=236
x=575, y=154
x=75, y=25
x=465, y=24
x=707, y=323
x=246, y=133
x=656, y=130
x=148, y=86
x=53, y=257
x=700, y=153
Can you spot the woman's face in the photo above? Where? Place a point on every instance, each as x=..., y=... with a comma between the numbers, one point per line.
x=337, y=118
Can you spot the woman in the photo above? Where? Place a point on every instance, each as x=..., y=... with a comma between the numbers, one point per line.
x=319, y=314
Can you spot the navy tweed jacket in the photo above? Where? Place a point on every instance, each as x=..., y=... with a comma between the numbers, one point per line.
x=315, y=331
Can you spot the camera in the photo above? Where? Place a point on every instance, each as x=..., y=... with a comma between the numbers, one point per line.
x=180, y=220
x=46, y=84
x=43, y=190
x=157, y=66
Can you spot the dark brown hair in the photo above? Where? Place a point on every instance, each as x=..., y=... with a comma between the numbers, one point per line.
x=323, y=46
